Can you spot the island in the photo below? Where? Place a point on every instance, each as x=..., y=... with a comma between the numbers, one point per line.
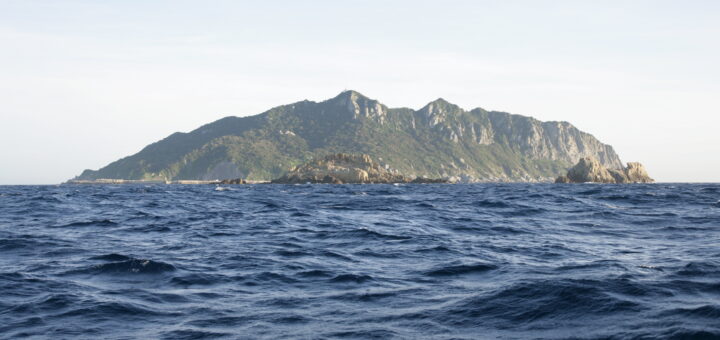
x=438, y=140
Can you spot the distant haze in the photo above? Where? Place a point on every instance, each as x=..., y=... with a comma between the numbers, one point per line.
x=83, y=83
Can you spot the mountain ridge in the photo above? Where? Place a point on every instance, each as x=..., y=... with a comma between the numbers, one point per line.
x=438, y=140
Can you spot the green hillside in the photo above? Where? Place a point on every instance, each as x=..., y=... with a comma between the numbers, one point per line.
x=437, y=140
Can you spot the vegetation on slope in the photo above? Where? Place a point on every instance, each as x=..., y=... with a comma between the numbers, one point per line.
x=438, y=140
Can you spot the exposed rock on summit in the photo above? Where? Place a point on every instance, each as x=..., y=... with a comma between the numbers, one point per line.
x=589, y=169
x=346, y=168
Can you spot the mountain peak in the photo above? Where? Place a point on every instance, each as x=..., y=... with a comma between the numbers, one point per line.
x=351, y=95
x=359, y=105
x=440, y=101
x=440, y=106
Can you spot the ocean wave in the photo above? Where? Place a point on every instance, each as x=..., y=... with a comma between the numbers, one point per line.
x=704, y=268
x=537, y=301
x=129, y=266
x=351, y=278
x=199, y=279
x=452, y=270
x=711, y=312
x=92, y=223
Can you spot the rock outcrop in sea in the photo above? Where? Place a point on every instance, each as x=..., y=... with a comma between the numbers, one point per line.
x=344, y=168
x=589, y=169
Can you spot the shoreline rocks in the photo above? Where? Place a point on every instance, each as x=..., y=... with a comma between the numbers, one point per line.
x=589, y=169
x=233, y=181
x=346, y=169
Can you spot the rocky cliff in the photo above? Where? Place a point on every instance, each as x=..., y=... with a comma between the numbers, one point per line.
x=438, y=140
x=589, y=169
x=346, y=169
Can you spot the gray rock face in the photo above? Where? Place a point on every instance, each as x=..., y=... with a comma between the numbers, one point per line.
x=589, y=169
x=562, y=179
x=346, y=168
x=558, y=141
x=361, y=106
x=636, y=173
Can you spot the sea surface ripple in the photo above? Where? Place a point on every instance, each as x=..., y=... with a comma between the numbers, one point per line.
x=360, y=261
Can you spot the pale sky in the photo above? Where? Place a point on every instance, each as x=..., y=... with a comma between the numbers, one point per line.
x=84, y=83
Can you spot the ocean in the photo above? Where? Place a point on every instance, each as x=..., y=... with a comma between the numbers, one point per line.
x=476, y=261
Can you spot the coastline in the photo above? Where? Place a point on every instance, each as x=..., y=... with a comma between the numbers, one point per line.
x=141, y=181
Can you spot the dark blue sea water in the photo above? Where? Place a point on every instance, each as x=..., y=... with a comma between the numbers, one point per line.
x=360, y=261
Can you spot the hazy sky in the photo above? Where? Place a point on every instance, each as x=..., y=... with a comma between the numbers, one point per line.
x=83, y=83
